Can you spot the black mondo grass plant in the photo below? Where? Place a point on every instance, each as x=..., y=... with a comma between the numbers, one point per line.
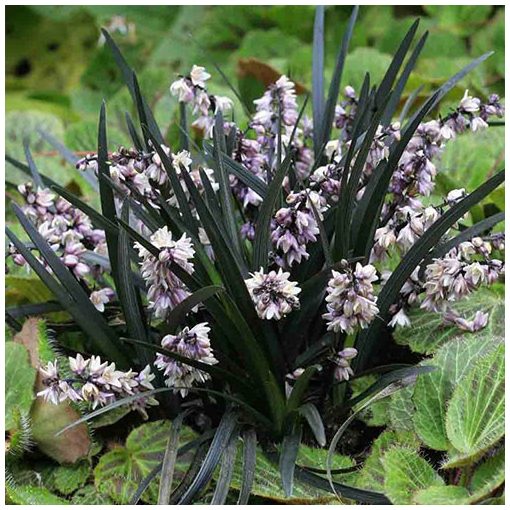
x=249, y=281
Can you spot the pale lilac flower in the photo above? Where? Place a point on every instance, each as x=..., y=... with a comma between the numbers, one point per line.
x=199, y=76
x=183, y=90
x=342, y=361
x=478, y=322
x=273, y=294
x=101, y=297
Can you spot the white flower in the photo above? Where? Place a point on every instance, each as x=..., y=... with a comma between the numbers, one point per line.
x=273, y=294
x=181, y=158
x=400, y=319
x=182, y=89
x=222, y=104
x=100, y=297
x=469, y=104
x=478, y=123
x=455, y=195
x=199, y=76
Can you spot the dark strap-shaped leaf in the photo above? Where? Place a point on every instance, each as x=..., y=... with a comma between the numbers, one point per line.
x=312, y=416
x=34, y=309
x=392, y=103
x=359, y=495
x=249, y=465
x=225, y=194
x=219, y=443
x=129, y=295
x=334, y=87
x=168, y=465
x=102, y=335
x=387, y=379
x=237, y=169
x=133, y=133
x=262, y=242
x=467, y=235
x=288, y=456
x=226, y=471
x=178, y=314
x=128, y=76
x=299, y=388
x=31, y=164
x=106, y=193
x=318, y=76
x=391, y=74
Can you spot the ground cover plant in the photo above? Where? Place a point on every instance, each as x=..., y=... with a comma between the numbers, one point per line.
x=279, y=310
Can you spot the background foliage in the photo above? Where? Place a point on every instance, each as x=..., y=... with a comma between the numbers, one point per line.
x=57, y=70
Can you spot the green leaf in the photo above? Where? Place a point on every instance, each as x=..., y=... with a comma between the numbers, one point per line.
x=67, y=479
x=28, y=495
x=377, y=414
x=441, y=495
x=119, y=471
x=267, y=482
x=371, y=475
x=488, y=476
x=19, y=383
x=433, y=391
x=428, y=331
x=475, y=419
x=405, y=473
x=89, y=495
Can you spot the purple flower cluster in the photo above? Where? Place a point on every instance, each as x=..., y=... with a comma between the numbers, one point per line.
x=350, y=299
x=95, y=382
x=165, y=289
x=293, y=228
x=67, y=230
x=403, y=228
x=191, y=343
x=416, y=172
x=345, y=113
x=273, y=294
x=192, y=90
x=462, y=270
